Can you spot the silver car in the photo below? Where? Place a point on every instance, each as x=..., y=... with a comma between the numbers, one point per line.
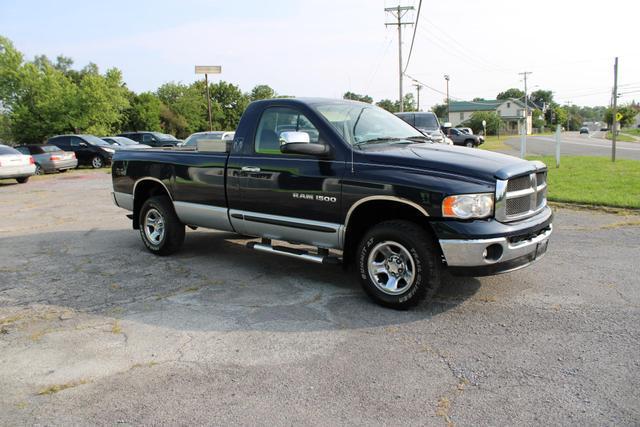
x=124, y=143
x=14, y=164
x=49, y=158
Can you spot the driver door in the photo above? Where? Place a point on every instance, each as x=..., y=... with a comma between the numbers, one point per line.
x=287, y=196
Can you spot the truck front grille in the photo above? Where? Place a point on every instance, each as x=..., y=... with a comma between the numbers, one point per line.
x=521, y=197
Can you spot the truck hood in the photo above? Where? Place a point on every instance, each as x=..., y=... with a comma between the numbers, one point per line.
x=470, y=162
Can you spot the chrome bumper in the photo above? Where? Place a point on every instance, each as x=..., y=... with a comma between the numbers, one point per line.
x=487, y=252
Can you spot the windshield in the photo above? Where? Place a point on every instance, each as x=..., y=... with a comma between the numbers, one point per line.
x=193, y=139
x=8, y=150
x=427, y=121
x=164, y=136
x=124, y=141
x=50, y=148
x=94, y=140
x=359, y=124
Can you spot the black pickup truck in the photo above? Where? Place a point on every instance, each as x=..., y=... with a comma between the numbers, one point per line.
x=352, y=183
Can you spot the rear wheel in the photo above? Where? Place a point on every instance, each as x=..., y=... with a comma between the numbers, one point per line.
x=97, y=162
x=469, y=143
x=160, y=229
x=22, y=180
x=39, y=170
x=398, y=264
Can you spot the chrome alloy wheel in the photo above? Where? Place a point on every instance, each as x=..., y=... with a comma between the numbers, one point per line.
x=154, y=226
x=97, y=162
x=391, y=267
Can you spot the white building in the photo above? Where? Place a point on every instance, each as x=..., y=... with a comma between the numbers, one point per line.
x=511, y=111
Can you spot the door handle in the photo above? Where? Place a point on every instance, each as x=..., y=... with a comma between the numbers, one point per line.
x=250, y=169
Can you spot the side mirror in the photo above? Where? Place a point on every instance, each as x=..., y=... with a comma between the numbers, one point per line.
x=294, y=137
x=305, y=148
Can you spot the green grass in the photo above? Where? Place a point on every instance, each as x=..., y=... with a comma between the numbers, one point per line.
x=495, y=143
x=594, y=181
x=632, y=131
x=621, y=137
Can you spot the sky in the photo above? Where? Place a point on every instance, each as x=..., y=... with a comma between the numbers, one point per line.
x=327, y=47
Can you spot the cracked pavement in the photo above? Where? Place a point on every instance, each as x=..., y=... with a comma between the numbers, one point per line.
x=95, y=330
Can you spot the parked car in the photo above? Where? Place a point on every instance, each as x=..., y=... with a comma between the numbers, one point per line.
x=49, y=158
x=14, y=164
x=192, y=140
x=469, y=131
x=353, y=178
x=460, y=138
x=427, y=123
x=89, y=149
x=584, y=129
x=154, y=139
x=124, y=143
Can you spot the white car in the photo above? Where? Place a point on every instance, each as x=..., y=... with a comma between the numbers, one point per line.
x=14, y=164
x=194, y=138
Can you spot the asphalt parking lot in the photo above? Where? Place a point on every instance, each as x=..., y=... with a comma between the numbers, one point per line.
x=95, y=330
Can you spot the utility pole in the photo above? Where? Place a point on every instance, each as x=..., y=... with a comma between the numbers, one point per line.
x=446, y=77
x=398, y=12
x=569, y=115
x=615, y=111
x=523, y=143
x=206, y=70
x=418, y=87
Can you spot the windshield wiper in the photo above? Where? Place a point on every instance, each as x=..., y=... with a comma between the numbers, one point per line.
x=373, y=140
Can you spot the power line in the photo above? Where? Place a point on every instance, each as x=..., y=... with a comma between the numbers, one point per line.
x=413, y=38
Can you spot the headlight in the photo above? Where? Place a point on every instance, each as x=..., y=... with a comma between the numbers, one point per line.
x=467, y=206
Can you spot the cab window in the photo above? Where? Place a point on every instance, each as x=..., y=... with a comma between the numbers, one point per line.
x=276, y=120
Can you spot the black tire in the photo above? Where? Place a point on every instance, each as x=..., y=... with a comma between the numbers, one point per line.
x=424, y=261
x=172, y=236
x=63, y=170
x=469, y=143
x=97, y=162
x=23, y=180
x=39, y=170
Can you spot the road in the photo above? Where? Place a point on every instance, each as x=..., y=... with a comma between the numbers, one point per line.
x=94, y=330
x=574, y=144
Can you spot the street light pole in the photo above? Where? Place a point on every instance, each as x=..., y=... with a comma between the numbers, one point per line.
x=446, y=77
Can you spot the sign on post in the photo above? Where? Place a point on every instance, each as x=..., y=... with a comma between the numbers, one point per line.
x=208, y=69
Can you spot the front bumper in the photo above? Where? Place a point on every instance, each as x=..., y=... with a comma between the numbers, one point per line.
x=481, y=248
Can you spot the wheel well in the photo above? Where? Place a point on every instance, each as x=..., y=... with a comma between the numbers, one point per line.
x=469, y=140
x=144, y=190
x=374, y=212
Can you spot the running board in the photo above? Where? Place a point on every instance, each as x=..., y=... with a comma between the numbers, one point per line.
x=322, y=257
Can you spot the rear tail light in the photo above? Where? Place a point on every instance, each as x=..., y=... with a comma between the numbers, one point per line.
x=54, y=158
x=73, y=155
x=31, y=161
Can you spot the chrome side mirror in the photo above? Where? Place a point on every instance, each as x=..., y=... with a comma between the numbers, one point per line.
x=294, y=137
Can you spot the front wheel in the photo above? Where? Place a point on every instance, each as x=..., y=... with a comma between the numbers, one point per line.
x=399, y=264
x=160, y=229
x=469, y=144
x=22, y=180
x=97, y=162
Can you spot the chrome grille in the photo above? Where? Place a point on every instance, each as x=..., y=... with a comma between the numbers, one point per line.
x=521, y=197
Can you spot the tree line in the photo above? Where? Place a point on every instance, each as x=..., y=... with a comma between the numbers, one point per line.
x=44, y=97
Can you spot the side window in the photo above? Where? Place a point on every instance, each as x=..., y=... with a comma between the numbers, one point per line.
x=276, y=120
x=23, y=150
x=75, y=142
x=61, y=141
x=409, y=118
x=146, y=138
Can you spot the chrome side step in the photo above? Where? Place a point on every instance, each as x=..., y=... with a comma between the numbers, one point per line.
x=322, y=257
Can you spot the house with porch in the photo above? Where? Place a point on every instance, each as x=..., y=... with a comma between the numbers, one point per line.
x=511, y=111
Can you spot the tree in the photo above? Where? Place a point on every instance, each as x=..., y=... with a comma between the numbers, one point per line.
x=144, y=113
x=537, y=119
x=511, y=93
x=358, y=97
x=492, y=119
x=230, y=104
x=541, y=97
x=388, y=105
x=262, y=92
x=189, y=106
x=628, y=114
x=440, y=110
x=409, y=103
